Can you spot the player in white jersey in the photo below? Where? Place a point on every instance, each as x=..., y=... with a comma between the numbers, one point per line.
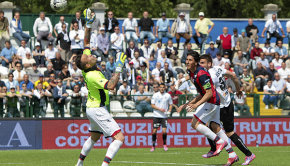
x=218, y=74
x=161, y=103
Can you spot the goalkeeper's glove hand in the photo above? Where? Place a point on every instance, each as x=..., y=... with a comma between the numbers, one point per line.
x=120, y=62
x=89, y=18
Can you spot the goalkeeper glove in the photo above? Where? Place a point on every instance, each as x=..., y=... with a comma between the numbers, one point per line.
x=120, y=62
x=89, y=18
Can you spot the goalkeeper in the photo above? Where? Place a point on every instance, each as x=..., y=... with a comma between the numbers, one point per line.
x=101, y=121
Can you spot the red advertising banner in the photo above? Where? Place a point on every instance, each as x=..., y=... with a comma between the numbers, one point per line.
x=59, y=134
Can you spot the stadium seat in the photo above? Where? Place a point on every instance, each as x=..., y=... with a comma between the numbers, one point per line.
x=148, y=114
x=115, y=106
x=129, y=105
x=175, y=114
x=236, y=114
x=121, y=115
x=135, y=114
x=129, y=110
x=189, y=114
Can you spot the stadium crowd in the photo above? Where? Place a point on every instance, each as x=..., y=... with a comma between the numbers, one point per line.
x=48, y=74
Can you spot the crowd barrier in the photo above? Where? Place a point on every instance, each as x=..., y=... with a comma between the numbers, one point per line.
x=72, y=133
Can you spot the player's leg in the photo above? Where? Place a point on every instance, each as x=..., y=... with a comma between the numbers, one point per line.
x=114, y=147
x=156, y=125
x=212, y=147
x=164, y=133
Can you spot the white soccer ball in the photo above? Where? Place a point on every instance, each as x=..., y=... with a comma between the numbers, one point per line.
x=58, y=5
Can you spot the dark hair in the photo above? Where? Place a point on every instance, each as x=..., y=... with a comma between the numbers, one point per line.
x=7, y=41
x=194, y=54
x=161, y=84
x=10, y=74
x=207, y=57
x=79, y=63
x=1, y=12
x=64, y=65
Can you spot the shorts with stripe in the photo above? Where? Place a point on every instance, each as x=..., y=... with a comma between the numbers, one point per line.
x=208, y=112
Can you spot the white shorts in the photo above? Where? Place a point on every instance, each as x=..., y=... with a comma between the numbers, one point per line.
x=102, y=122
x=208, y=112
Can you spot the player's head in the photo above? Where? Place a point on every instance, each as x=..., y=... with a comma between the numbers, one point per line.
x=162, y=88
x=205, y=61
x=86, y=60
x=192, y=60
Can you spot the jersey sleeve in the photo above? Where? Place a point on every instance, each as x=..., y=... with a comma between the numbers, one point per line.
x=97, y=80
x=205, y=81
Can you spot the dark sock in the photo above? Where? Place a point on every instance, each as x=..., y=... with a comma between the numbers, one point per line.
x=164, y=135
x=82, y=157
x=212, y=145
x=240, y=144
x=154, y=139
x=107, y=160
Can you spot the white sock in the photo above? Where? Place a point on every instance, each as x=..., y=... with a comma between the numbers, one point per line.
x=112, y=151
x=228, y=148
x=88, y=145
x=206, y=131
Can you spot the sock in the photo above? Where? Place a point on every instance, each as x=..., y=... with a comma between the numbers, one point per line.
x=228, y=148
x=212, y=145
x=111, y=152
x=164, y=138
x=154, y=137
x=88, y=145
x=240, y=144
x=206, y=131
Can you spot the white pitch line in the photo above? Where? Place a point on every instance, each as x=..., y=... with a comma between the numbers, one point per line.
x=11, y=163
x=157, y=163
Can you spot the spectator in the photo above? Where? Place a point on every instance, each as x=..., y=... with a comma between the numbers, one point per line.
x=110, y=23
x=174, y=93
x=211, y=50
x=240, y=63
x=271, y=70
x=158, y=49
x=130, y=50
x=58, y=27
x=244, y=43
x=117, y=40
x=241, y=104
x=221, y=61
x=154, y=88
x=33, y=74
x=144, y=73
x=164, y=60
x=263, y=60
x=16, y=28
x=4, y=28
x=49, y=71
x=64, y=43
x=3, y=93
x=65, y=76
x=139, y=82
x=268, y=50
x=124, y=91
x=272, y=26
x=18, y=73
x=166, y=75
x=131, y=74
x=75, y=102
x=156, y=72
x=163, y=28
x=45, y=84
x=81, y=22
x=57, y=63
x=52, y=81
x=152, y=62
x=255, y=54
x=181, y=28
x=288, y=85
x=283, y=71
x=172, y=53
x=147, y=49
x=282, y=51
x=96, y=25
x=180, y=85
x=261, y=76
x=24, y=100
x=288, y=32
x=110, y=66
x=102, y=50
x=42, y=28
x=279, y=84
x=235, y=38
x=59, y=95
x=74, y=70
x=21, y=52
x=28, y=62
x=50, y=52
x=269, y=98
x=228, y=67
x=277, y=61
x=12, y=99
x=138, y=60
x=76, y=37
x=6, y=54
x=28, y=84
x=142, y=101
x=247, y=81
x=145, y=24
x=201, y=30
x=39, y=106
x=252, y=31
x=105, y=72
x=38, y=55
x=130, y=28
x=225, y=39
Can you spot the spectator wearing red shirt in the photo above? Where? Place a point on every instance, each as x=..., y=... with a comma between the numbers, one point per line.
x=255, y=54
x=226, y=41
x=174, y=93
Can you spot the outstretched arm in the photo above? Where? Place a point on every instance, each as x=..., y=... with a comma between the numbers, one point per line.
x=87, y=37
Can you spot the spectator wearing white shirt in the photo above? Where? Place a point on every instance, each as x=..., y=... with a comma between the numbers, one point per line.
x=28, y=61
x=288, y=84
x=77, y=40
x=279, y=84
x=124, y=90
x=49, y=53
x=272, y=26
x=16, y=28
x=283, y=71
x=42, y=28
x=156, y=72
x=58, y=27
x=130, y=28
x=18, y=73
x=81, y=22
x=147, y=49
x=138, y=60
x=220, y=61
x=74, y=70
x=163, y=59
x=235, y=37
x=180, y=85
x=241, y=104
x=269, y=98
x=269, y=51
x=158, y=49
x=277, y=61
x=21, y=52
x=117, y=40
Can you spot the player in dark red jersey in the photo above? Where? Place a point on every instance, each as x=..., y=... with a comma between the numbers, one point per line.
x=207, y=107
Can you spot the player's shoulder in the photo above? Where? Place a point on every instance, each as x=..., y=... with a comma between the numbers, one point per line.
x=201, y=71
x=93, y=74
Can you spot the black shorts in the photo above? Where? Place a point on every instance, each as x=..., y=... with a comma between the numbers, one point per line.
x=227, y=117
x=157, y=122
x=77, y=51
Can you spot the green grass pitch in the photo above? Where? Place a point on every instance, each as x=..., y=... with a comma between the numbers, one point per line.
x=266, y=156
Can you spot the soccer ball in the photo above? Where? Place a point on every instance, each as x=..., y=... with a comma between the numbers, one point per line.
x=58, y=5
